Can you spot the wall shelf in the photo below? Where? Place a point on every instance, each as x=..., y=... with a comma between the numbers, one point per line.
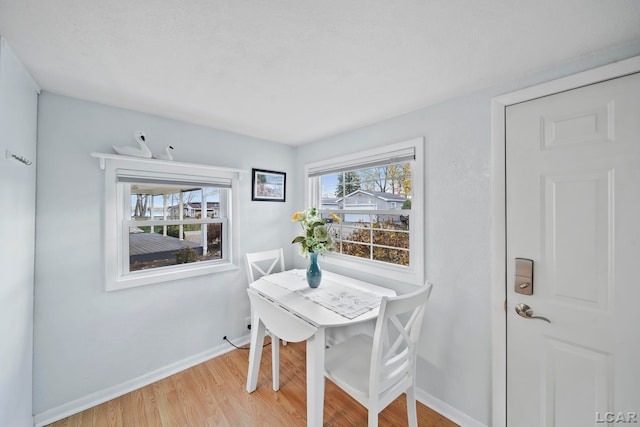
x=140, y=160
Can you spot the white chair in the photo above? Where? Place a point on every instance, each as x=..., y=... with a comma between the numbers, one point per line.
x=261, y=264
x=375, y=371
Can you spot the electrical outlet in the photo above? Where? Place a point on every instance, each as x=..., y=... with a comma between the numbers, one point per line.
x=247, y=323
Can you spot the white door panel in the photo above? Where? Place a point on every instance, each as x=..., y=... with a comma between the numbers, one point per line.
x=573, y=206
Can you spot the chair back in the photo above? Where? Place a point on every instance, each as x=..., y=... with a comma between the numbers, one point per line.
x=262, y=263
x=395, y=344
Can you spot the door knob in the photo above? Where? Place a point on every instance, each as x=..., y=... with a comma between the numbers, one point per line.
x=525, y=311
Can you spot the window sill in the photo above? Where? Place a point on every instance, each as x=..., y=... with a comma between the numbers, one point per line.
x=376, y=268
x=167, y=274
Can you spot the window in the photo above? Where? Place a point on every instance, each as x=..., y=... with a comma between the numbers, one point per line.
x=378, y=196
x=170, y=224
x=166, y=221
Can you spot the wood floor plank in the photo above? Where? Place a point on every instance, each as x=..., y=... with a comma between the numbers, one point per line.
x=170, y=412
x=213, y=394
x=206, y=391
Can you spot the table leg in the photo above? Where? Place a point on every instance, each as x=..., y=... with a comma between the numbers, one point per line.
x=275, y=361
x=255, y=352
x=315, y=378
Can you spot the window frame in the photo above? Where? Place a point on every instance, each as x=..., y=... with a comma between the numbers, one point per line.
x=116, y=222
x=415, y=272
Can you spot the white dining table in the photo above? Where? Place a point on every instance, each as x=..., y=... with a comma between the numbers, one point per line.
x=285, y=305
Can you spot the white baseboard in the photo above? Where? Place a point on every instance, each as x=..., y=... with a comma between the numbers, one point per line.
x=55, y=414
x=446, y=410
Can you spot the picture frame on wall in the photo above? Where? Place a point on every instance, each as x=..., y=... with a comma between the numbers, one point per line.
x=268, y=186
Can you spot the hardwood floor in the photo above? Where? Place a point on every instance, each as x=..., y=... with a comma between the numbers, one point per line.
x=213, y=394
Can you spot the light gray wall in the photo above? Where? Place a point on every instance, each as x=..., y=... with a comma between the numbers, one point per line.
x=18, y=118
x=88, y=340
x=455, y=356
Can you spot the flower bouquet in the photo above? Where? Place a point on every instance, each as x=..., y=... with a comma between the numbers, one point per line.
x=315, y=239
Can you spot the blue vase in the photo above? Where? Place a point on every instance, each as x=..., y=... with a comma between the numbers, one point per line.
x=314, y=274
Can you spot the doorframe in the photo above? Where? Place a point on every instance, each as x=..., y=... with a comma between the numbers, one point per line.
x=498, y=232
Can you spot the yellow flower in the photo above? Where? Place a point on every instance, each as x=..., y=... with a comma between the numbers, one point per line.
x=335, y=217
x=297, y=216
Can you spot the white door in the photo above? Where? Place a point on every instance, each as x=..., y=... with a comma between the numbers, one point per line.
x=573, y=207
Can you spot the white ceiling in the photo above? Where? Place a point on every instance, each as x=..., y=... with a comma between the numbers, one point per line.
x=294, y=71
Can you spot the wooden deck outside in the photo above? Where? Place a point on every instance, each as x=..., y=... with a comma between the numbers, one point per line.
x=149, y=249
x=148, y=243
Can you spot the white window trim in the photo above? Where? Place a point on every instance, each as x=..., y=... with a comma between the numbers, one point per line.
x=414, y=273
x=113, y=238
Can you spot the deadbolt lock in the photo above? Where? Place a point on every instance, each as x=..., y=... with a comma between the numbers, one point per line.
x=524, y=276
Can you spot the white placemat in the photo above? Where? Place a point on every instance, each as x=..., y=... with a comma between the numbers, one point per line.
x=294, y=280
x=340, y=298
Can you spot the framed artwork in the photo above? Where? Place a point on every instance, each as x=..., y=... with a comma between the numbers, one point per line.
x=268, y=186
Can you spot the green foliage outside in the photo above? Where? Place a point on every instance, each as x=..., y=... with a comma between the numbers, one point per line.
x=186, y=255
